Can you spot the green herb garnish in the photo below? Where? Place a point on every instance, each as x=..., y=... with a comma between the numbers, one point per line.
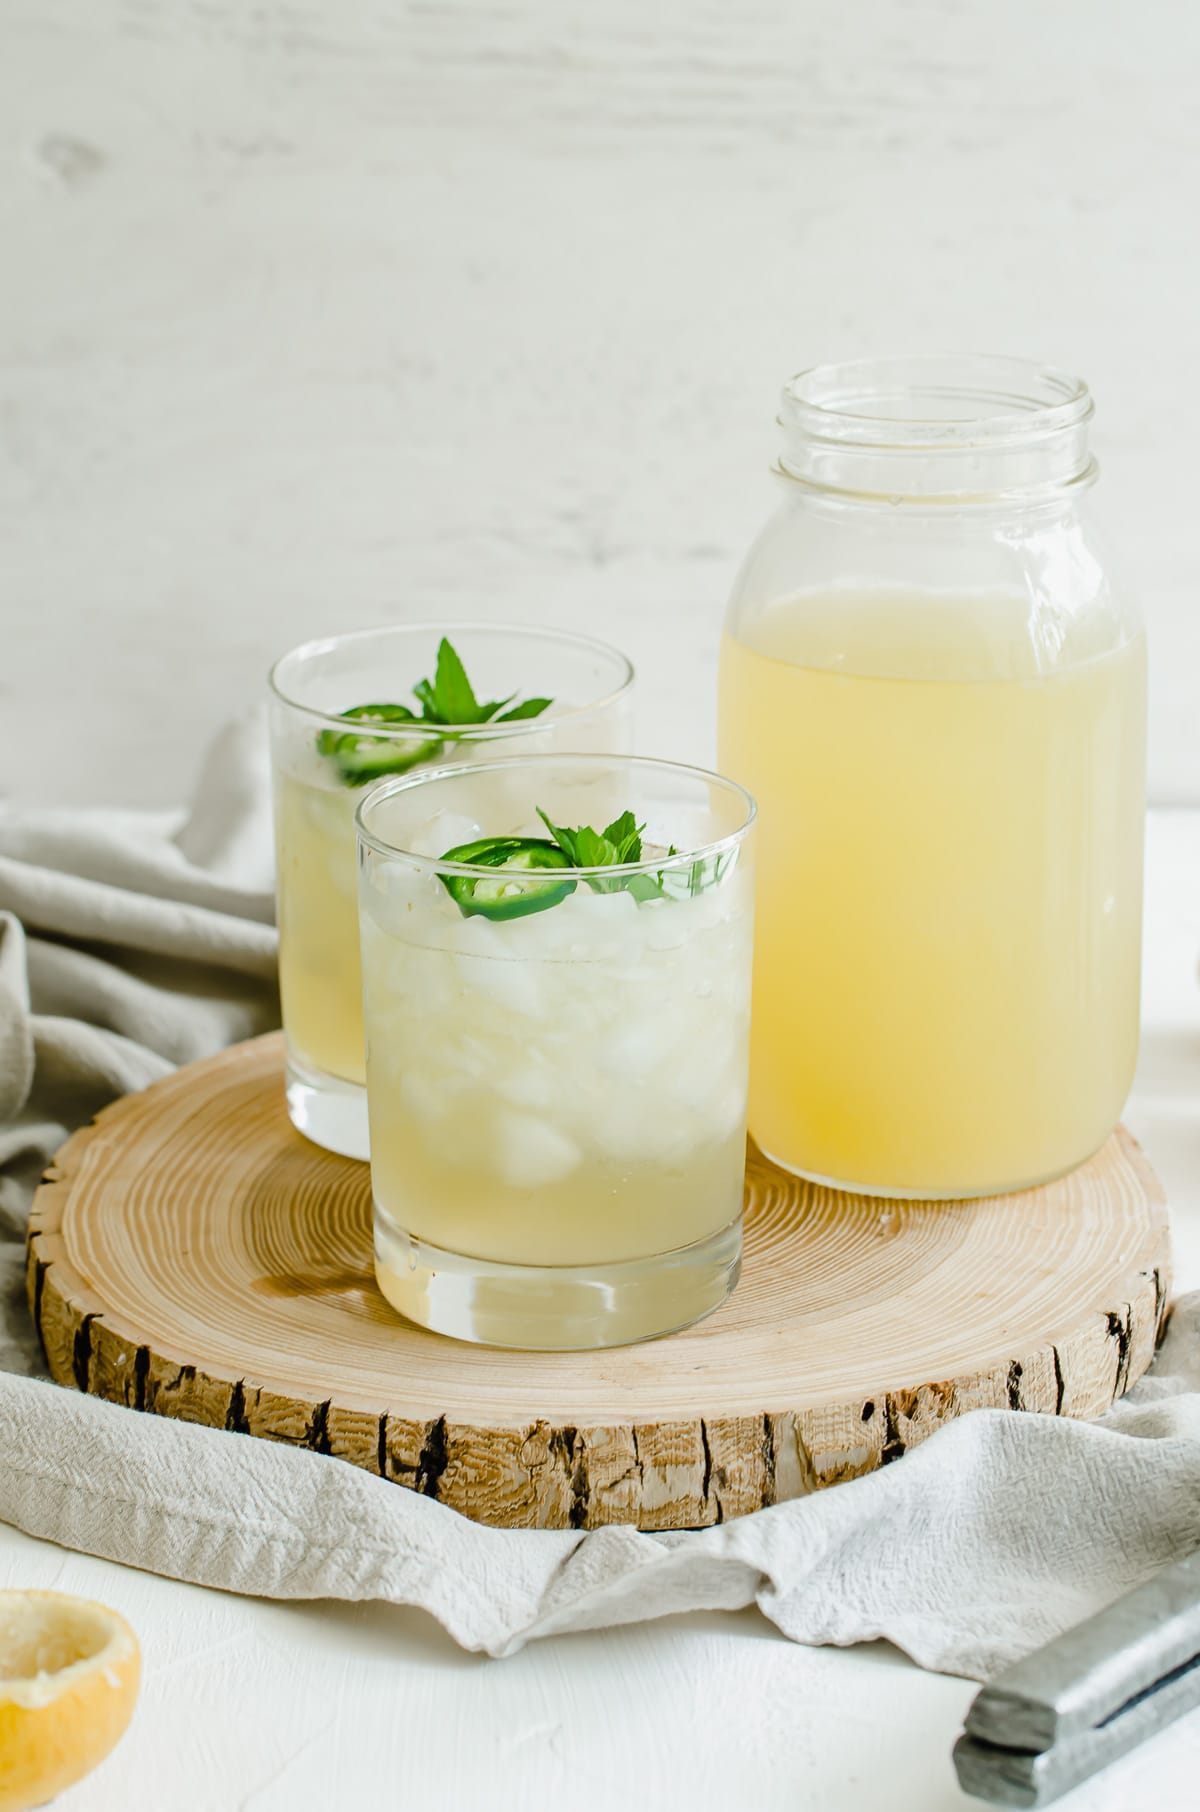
x=447, y=700
x=617, y=844
x=620, y=844
x=521, y=884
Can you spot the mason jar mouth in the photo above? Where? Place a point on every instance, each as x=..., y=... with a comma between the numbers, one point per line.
x=950, y=426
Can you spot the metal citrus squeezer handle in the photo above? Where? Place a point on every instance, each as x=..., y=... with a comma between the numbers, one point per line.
x=1066, y=1711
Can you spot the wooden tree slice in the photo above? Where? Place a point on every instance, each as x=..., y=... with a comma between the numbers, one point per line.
x=191, y=1255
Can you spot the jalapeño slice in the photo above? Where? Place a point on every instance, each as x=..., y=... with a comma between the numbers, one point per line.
x=362, y=757
x=522, y=883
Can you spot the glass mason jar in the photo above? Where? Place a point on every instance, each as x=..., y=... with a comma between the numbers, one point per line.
x=557, y=1056
x=935, y=689
x=321, y=767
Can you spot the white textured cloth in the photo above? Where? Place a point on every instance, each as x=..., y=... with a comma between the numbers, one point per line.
x=133, y=942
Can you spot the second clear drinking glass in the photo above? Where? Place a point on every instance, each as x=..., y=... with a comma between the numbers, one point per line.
x=557, y=1056
x=321, y=768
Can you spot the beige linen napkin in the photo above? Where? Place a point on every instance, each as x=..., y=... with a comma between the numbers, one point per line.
x=977, y=1546
x=132, y=942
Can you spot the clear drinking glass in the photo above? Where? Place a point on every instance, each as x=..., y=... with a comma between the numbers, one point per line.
x=590, y=686
x=935, y=686
x=557, y=1094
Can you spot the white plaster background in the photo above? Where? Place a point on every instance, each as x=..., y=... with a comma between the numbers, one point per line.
x=312, y=310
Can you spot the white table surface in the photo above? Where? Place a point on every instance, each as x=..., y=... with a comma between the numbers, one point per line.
x=256, y=1707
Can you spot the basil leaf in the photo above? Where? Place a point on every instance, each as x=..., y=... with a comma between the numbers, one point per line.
x=562, y=836
x=488, y=712
x=625, y=835
x=619, y=844
x=424, y=693
x=643, y=887
x=592, y=850
x=453, y=694
x=529, y=707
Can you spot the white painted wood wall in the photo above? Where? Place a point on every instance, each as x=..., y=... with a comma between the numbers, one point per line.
x=312, y=309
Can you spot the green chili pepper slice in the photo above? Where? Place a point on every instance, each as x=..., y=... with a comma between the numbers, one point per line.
x=361, y=758
x=518, y=888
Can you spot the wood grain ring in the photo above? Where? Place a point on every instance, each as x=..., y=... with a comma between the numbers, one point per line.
x=192, y=1256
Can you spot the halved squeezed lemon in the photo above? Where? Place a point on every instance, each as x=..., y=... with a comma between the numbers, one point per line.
x=69, y=1672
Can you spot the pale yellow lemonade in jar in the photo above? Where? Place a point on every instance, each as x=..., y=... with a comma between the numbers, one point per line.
x=949, y=920
x=322, y=765
x=950, y=779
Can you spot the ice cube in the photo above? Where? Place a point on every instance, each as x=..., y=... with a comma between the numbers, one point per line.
x=640, y=1126
x=422, y=1096
x=420, y=984
x=638, y=1045
x=531, y=1153
x=391, y=894
x=701, y=1072
x=603, y=908
x=667, y=924
x=467, y=1055
x=600, y=928
x=444, y=831
x=530, y=1084
x=630, y=1131
x=518, y=987
x=477, y=936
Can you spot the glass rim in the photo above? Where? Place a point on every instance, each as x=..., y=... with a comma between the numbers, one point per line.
x=1022, y=400
x=402, y=783
x=462, y=732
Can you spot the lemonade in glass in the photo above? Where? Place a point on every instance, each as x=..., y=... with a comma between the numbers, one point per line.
x=556, y=959
x=350, y=710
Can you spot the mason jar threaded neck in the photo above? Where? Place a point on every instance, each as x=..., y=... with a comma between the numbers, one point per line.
x=958, y=428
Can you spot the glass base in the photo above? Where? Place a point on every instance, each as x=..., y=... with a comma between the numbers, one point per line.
x=554, y=1308
x=328, y=1110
